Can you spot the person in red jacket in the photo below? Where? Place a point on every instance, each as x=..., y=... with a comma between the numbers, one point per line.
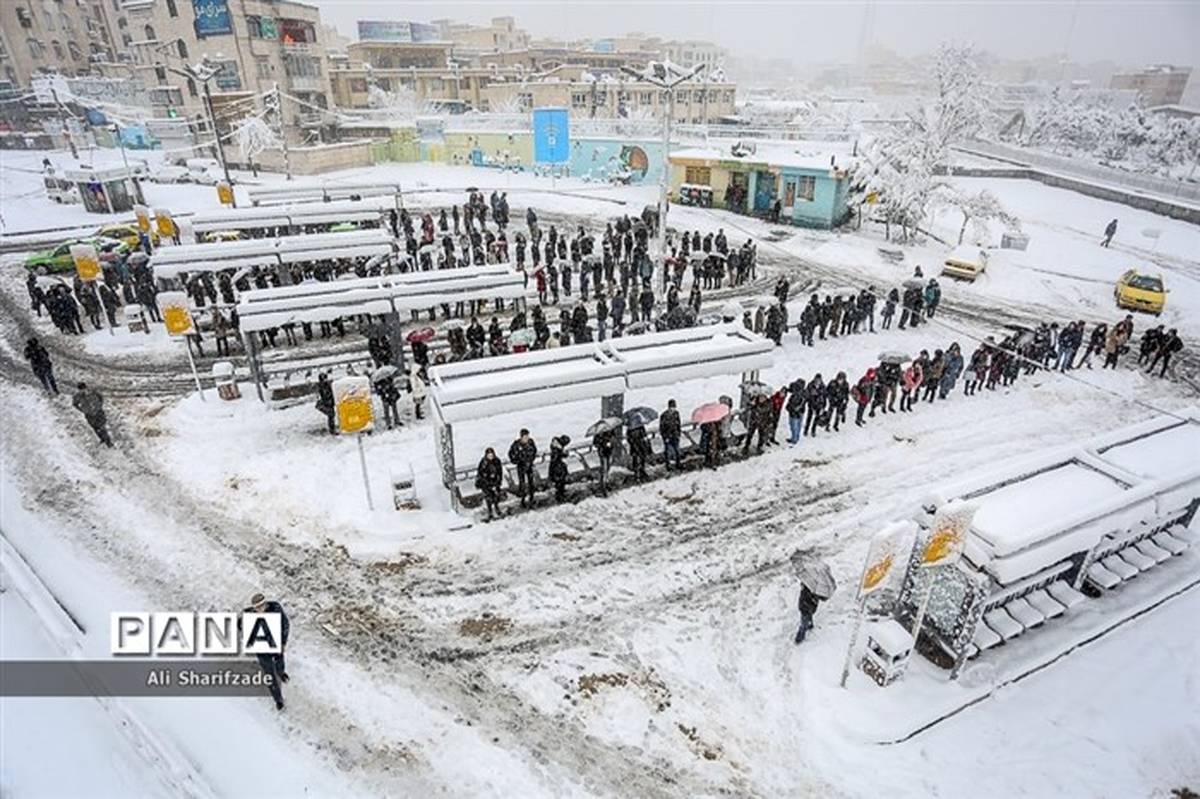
x=863, y=392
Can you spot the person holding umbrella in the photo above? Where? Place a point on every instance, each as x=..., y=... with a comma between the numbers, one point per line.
x=816, y=585
x=604, y=442
x=384, y=380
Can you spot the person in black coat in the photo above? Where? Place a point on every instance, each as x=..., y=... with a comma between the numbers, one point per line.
x=273, y=665
x=808, y=608
x=39, y=362
x=670, y=427
x=816, y=398
x=558, y=466
x=639, y=450
x=1169, y=344
x=838, y=395
x=89, y=402
x=604, y=444
x=522, y=453
x=489, y=477
x=325, y=402
x=389, y=395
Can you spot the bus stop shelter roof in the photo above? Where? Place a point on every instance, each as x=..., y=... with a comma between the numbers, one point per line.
x=168, y=262
x=297, y=215
x=316, y=301
x=480, y=388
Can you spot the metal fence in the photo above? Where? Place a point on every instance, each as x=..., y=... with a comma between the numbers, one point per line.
x=1148, y=184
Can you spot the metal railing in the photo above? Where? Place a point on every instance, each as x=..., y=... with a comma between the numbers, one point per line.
x=1084, y=170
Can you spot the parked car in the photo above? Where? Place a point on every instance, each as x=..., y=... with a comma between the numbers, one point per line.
x=1138, y=291
x=173, y=173
x=60, y=190
x=965, y=263
x=127, y=233
x=59, y=258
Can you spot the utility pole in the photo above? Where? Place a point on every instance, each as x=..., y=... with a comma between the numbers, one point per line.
x=275, y=107
x=212, y=120
x=63, y=123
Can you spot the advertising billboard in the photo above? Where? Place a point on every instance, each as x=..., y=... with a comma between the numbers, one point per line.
x=551, y=136
x=212, y=18
x=373, y=30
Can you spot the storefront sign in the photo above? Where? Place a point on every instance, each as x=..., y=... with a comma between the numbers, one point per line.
x=212, y=18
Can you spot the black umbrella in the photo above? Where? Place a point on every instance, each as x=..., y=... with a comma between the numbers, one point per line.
x=640, y=417
x=608, y=423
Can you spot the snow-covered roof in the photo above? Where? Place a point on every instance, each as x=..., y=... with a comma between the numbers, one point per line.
x=1023, y=524
x=297, y=214
x=477, y=389
x=168, y=262
x=790, y=155
x=316, y=301
x=318, y=191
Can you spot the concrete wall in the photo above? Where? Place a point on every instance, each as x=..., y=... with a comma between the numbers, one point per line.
x=322, y=158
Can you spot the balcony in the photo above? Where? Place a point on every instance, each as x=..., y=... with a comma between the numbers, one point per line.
x=306, y=84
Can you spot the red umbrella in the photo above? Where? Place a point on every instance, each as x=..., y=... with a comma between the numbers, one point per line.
x=420, y=334
x=710, y=412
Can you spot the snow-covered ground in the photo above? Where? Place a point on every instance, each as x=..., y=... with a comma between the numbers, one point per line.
x=634, y=645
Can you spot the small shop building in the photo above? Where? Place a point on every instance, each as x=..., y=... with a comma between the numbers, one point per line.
x=810, y=180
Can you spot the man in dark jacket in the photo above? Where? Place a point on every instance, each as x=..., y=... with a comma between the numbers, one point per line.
x=522, y=453
x=838, y=395
x=89, y=402
x=815, y=396
x=39, y=362
x=558, y=466
x=795, y=410
x=670, y=427
x=808, y=608
x=489, y=478
x=325, y=402
x=639, y=450
x=1168, y=345
x=272, y=664
x=604, y=443
x=1109, y=231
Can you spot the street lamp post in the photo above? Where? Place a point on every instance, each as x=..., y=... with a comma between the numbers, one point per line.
x=203, y=73
x=666, y=76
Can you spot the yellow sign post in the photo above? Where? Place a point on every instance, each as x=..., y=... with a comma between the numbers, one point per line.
x=177, y=316
x=165, y=223
x=143, y=217
x=943, y=546
x=225, y=193
x=87, y=261
x=881, y=557
x=356, y=414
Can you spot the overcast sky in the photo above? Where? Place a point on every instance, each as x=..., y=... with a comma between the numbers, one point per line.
x=1125, y=32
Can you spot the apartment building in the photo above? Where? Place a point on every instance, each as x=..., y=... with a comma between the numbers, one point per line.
x=1160, y=84
x=499, y=36
x=65, y=36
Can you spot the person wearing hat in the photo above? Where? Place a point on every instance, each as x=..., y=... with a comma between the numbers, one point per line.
x=522, y=453
x=273, y=664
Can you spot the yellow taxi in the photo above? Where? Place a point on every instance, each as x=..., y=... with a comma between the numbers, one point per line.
x=127, y=233
x=1138, y=291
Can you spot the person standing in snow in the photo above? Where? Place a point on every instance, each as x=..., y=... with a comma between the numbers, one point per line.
x=795, y=410
x=911, y=384
x=89, y=402
x=522, y=453
x=604, y=444
x=639, y=451
x=325, y=403
x=670, y=427
x=864, y=392
x=953, y=368
x=558, y=467
x=39, y=362
x=1109, y=232
x=838, y=395
x=807, y=604
x=489, y=477
x=272, y=664
x=418, y=388
x=1169, y=344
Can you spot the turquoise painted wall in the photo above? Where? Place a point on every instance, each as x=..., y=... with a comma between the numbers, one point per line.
x=828, y=204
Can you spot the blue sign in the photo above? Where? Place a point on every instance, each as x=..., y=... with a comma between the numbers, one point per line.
x=551, y=136
x=212, y=18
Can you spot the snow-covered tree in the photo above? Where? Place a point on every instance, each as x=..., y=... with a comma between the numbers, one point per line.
x=977, y=210
x=400, y=103
x=254, y=136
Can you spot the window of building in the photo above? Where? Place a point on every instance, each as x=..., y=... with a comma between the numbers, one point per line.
x=358, y=84
x=191, y=84
x=700, y=95
x=48, y=16
x=262, y=66
x=646, y=98
x=579, y=99
x=171, y=9
x=254, y=27
x=697, y=175
x=149, y=31
x=35, y=48
x=76, y=53
x=126, y=40
x=525, y=101
x=182, y=47
x=806, y=188
x=24, y=18
x=122, y=23
x=160, y=72
x=59, y=53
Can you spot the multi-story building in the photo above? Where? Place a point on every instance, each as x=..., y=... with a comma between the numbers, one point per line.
x=1160, y=84
x=500, y=36
x=65, y=36
x=256, y=44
